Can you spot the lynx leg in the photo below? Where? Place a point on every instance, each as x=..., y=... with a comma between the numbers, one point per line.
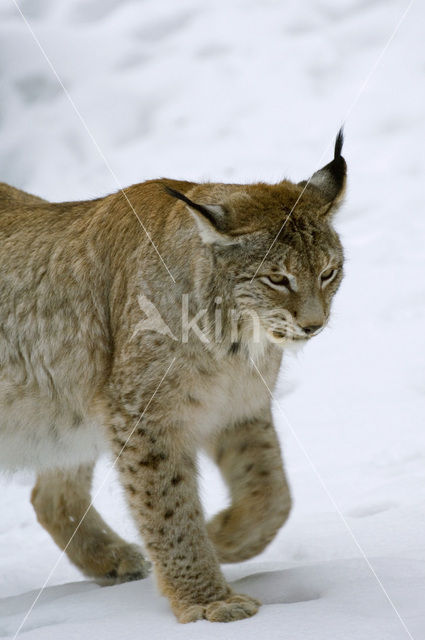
x=159, y=474
x=60, y=500
x=249, y=458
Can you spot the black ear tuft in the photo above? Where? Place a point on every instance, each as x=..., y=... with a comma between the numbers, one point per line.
x=338, y=167
x=338, y=143
x=211, y=219
x=330, y=180
x=180, y=196
x=173, y=192
x=205, y=211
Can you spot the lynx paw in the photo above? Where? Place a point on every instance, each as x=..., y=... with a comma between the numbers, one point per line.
x=236, y=607
x=228, y=532
x=127, y=564
x=238, y=535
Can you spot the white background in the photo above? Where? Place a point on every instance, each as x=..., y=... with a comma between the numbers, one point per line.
x=244, y=90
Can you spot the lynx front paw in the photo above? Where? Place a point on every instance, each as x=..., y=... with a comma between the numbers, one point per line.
x=126, y=563
x=235, y=607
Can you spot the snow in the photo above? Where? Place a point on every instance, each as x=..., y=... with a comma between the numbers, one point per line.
x=242, y=91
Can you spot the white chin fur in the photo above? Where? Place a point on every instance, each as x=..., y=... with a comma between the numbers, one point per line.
x=294, y=346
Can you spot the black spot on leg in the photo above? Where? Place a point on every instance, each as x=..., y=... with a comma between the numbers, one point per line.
x=168, y=514
x=176, y=479
x=153, y=460
x=249, y=467
x=130, y=447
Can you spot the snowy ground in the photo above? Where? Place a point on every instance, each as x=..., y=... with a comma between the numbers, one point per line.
x=244, y=90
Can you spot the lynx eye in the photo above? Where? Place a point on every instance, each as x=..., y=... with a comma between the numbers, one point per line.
x=327, y=275
x=279, y=279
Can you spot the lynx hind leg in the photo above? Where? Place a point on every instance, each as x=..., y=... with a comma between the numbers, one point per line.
x=60, y=500
x=250, y=461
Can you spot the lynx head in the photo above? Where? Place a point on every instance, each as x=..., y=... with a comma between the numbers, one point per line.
x=276, y=258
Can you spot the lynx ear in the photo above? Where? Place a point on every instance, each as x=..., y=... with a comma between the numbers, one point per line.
x=330, y=181
x=210, y=219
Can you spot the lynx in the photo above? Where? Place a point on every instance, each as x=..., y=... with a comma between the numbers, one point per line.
x=83, y=372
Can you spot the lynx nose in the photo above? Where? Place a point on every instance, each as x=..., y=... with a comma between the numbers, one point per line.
x=312, y=328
